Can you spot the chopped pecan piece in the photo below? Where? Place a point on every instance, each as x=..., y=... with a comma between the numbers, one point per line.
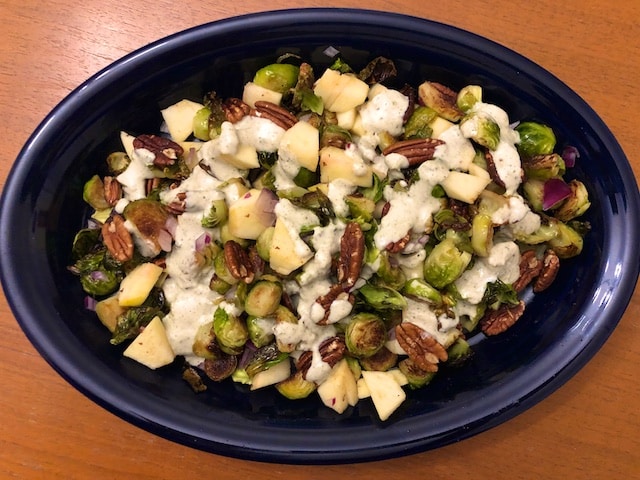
x=235, y=109
x=277, y=114
x=417, y=150
x=112, y=190
x=179, y=205
x=422, y=348
x=331, y=350
x=238, y=262
x=530, y=267
x=165, y=150
x=497, y=321
x=117, y=238
x=397, y=247
x=151, y=184
x=549, y=270
x=493, y=171
x=336, y=292
x=352, y=250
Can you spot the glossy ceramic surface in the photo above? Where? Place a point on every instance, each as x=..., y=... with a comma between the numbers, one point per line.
x=41, y=209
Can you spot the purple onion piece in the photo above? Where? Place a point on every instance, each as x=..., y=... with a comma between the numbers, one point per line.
x=570, y=154
x=202, y=241
x=90, y=303
x=555, y=190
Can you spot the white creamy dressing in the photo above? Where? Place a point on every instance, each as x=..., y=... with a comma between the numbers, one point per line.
x=505, y=156
x=384, y=112
x=411, y=210
x=457, y=152
x=502, y=263
x=134, y=177
x=295, y=219
x=260, y=133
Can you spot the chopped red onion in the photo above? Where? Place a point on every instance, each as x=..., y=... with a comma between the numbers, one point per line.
x=555, y=190
x=191, y=159
x=570, y=154
x=165, y=240
x=265, y=206
x=90, y=303
x=98, y=275
x=247, y=354
x=171, y=225
x=202, y=241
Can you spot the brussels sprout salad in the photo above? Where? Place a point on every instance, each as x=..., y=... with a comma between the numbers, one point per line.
x=326, y=231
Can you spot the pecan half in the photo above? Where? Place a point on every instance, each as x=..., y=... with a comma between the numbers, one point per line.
x=549, y=271
x=112, y=190
x=352, y=250
x=497, y=321
x=166, y=151
x=238, y=262
x=235, y=109
x=530, y=267
x=331, y=350
x=417, y=150
x=397, y=247
x=422, y=348
x=117, y=238
x=277, y=114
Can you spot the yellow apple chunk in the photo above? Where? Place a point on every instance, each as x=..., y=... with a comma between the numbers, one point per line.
x=284, y=256
x=302, y=143
x=339, y=390
x=276, y=374
x=151, y=347
x=179, y=119
x=127, y=143
x=340, y=92
x=246, y=157
x=108, y=311
x=464, y=187
x=336, y=163
x=247, y=219
x=253, y=93
x=387, y=395
x=136, y=286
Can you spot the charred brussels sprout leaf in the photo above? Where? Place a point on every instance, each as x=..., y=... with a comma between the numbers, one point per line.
x=265, y=358
x=86, y=241
x=317, y=202
x=419, y=123
x=98, y=276
x=543, y=167
x=216, y=113
x=378, y=70
x=132, y=321
x=499, y=293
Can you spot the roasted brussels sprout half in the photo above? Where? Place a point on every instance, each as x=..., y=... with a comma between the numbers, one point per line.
x=482, y=129
x=445, y=263
x=296, y=387
x=279, y=77
x=263, y=298
x=416, y=377
x=93, y=193
x=381, y=361
x=535, y=139
x=575, y=205
x=468, y=96
x=365, y=334
x=380, y=297
x=230, y=331
x=260, y=331
x=419, y=123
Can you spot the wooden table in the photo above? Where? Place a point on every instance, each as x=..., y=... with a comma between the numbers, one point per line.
x=588, y=429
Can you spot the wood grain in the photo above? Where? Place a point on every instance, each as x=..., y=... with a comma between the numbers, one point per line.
x=588, y=429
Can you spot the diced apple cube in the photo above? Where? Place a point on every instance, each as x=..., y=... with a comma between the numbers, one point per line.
x=179, y=119
x=340, y=92
x=108, y=311
x=463, y=186
x=246, y=157
x=339, y=389
x=302, y=143
x=136, y=286
x=387, y=395
x=439, y=125
x=151, y=347
x=336, y=163
x=347, y=119
x=247, y=217
x=253, y=93
x=276, y=374
x=284, y=257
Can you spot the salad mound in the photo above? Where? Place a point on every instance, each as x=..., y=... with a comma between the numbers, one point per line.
x=326, y=231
